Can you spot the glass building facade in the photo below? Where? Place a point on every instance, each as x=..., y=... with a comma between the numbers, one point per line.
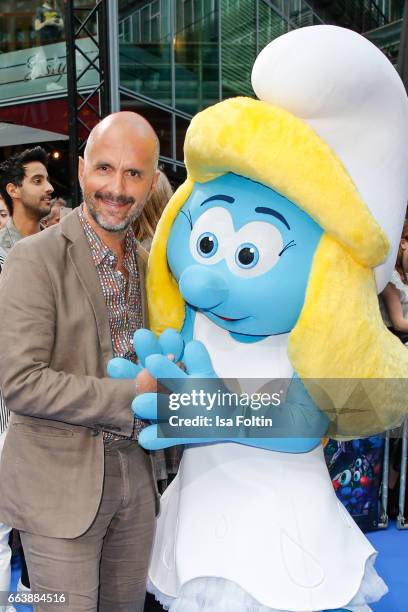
x=180, y=56
x=176, y=57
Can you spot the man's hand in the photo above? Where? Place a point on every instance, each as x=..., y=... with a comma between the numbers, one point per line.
x=145, y=383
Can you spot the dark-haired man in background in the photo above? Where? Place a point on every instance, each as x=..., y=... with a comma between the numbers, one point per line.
x=25, y=188
x=27, y=191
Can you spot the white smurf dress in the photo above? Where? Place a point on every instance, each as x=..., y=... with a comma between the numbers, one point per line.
x=243, y=529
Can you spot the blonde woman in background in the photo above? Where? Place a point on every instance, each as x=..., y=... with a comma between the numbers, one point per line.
x=145, y=225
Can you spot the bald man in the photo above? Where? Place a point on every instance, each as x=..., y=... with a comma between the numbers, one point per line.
x=73, y=478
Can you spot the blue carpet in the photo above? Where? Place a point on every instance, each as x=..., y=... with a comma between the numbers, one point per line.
x=15, y=575
x=392, y=565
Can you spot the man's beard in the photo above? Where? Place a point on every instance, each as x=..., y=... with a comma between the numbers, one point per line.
x=90, y=201
x=33, y=210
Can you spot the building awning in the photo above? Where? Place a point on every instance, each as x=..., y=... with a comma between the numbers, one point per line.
x=11, y=135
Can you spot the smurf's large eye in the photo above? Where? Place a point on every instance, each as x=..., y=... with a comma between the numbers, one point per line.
x=207, y=244
x=254, y=249
x=211, y=233
x=247, y=255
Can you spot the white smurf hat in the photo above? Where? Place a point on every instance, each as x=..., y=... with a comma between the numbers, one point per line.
x=345, y=88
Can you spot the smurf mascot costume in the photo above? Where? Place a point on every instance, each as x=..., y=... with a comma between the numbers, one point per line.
x=266, y=254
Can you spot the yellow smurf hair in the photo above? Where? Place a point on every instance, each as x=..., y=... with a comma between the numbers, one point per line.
x=340, y=334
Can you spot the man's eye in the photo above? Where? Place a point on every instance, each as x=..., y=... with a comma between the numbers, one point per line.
x=103, y=168
x=134, y=172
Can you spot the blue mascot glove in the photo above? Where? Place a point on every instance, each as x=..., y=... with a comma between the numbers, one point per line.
x=299, y=410
x=145, y=343
x=198, y=365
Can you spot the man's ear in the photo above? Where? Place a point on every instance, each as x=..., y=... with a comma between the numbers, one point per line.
x=13, y=190
x=81, y=168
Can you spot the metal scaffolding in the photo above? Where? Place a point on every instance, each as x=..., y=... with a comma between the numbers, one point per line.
x=93, y=21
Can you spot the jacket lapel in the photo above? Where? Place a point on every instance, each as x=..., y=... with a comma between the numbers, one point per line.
x=81, y=259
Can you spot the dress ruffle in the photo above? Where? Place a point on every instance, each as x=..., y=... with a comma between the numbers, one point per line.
x=220, y=595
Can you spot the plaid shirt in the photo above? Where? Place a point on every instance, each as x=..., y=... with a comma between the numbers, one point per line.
x=122, y=297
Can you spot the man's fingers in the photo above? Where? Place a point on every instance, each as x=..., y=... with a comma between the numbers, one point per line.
x=145, y=383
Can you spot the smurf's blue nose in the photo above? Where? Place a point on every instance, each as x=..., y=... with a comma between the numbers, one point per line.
x=202, y=287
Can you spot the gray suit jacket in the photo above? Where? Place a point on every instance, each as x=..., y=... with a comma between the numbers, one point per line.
x=8, y=237
x=55, y=344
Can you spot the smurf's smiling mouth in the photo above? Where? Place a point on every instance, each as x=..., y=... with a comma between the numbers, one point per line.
x=228, y=319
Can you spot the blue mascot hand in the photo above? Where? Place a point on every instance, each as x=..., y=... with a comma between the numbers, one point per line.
x=145, y=407
x=196, y=360
x=118, y=367
x=198, y=365
x=171, y=342
x=301, y=422
x=145, y=344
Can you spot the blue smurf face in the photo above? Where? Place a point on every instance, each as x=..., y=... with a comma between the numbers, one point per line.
x=242, y=254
